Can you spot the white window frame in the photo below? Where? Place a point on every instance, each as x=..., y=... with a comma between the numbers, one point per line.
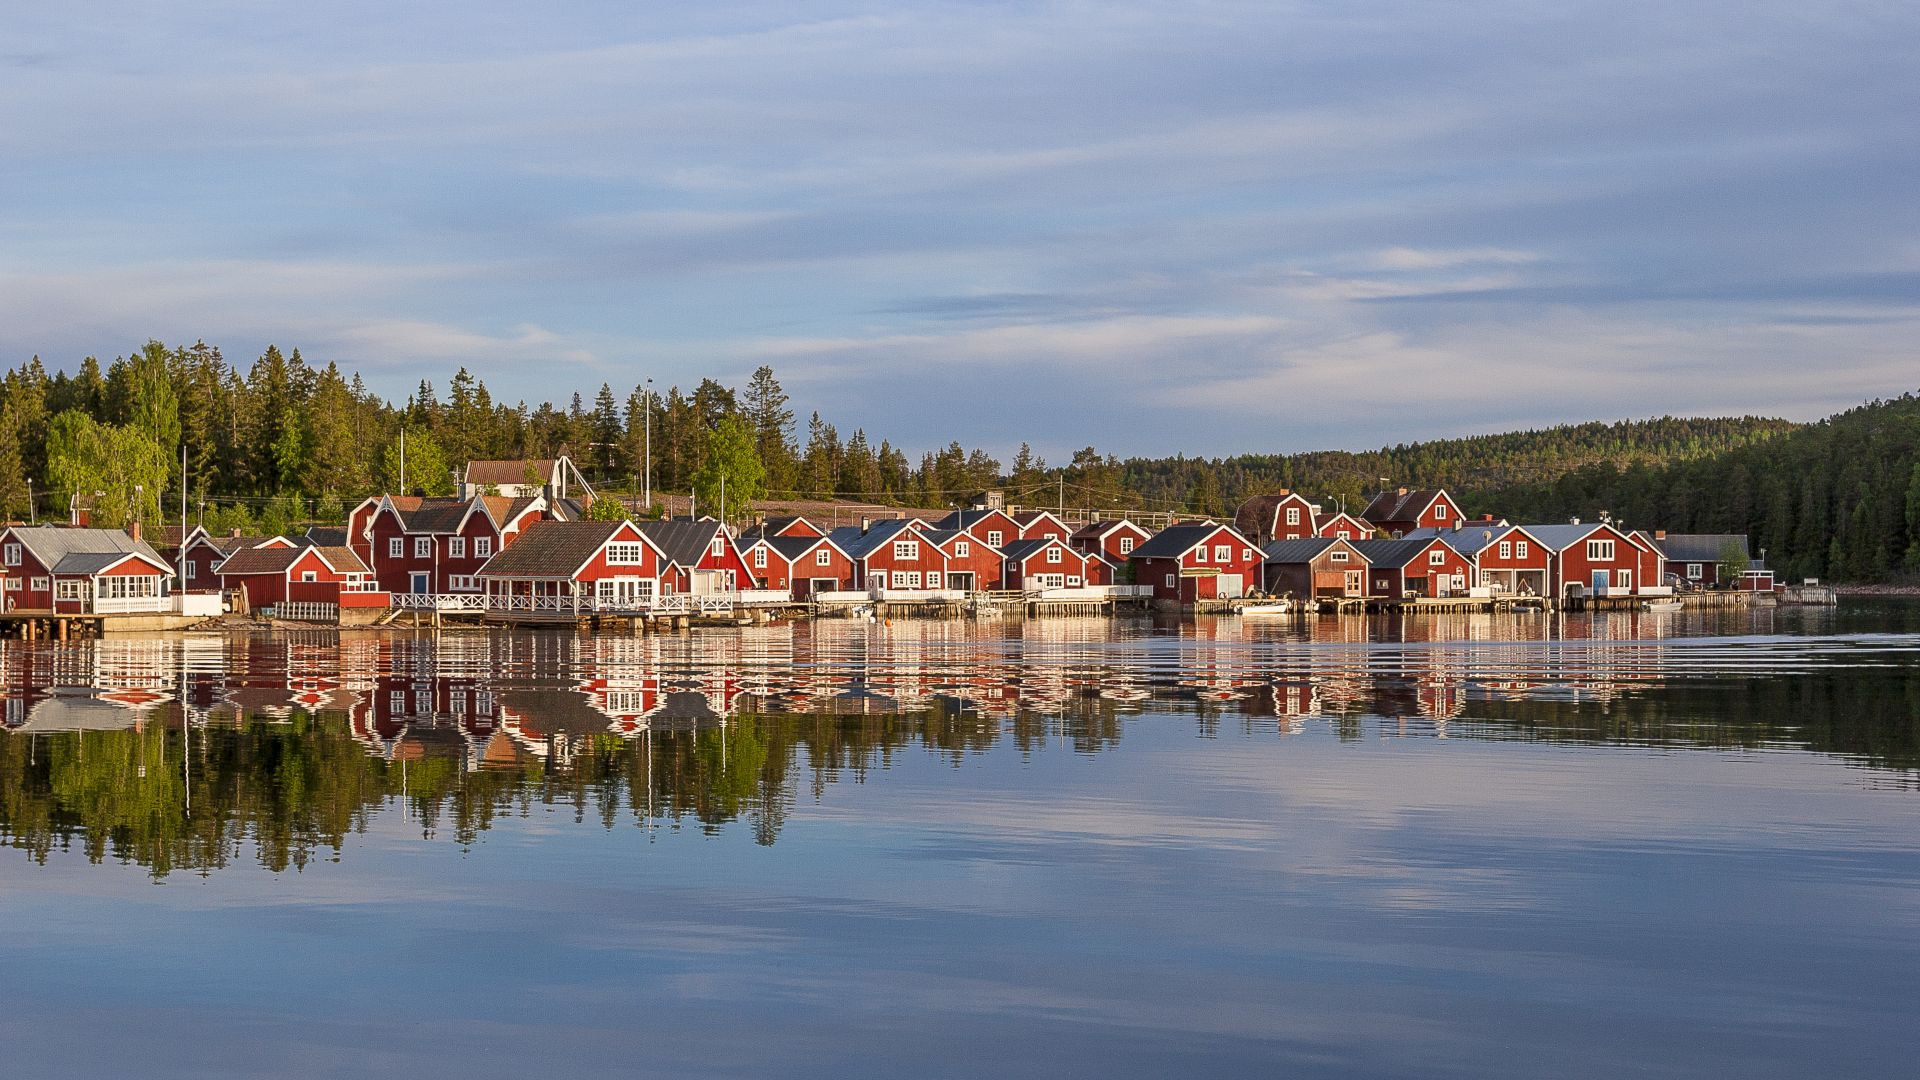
x=1519, y=549
x=13, y=554
x=759, y=558
x=626, y=553
x=1053, y=555
x=1223, y=553
x=1695, y=571
x=41, y=584
x=1338, y=555
x=309, y=577
x=1506, y=549
x=995, y=538
x=1126, y=545
x=933, y=579
x=1600, y=550
x=456, y=547
x=823, y=557
x=719, y=546
x=483, y=547
x=1200, y=555
x=1436, y=557
x=1170, y=580
x=906, y=550
x=1293, y=515
x=962, y=549
x=396, y=547
x=423, y=547
x=69, y=589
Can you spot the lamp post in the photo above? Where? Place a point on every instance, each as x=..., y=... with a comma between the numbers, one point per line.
x=33, y=516
x=646, y=401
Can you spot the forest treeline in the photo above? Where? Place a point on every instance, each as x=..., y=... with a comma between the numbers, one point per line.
x=279, y=442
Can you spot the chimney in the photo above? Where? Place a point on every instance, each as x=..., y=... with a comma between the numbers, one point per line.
x=134, y=531
x=1286, y=491
x=234, y=533
x=865, y=524
x=1402, y=491
x=1573, y=521
x=1659, y=534
x=1457, y=522
x=1486, y=517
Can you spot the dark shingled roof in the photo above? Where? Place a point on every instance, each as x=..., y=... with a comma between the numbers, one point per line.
x=1299, y=551
x=252, y=560
x=1021, y=550
x=1394, y=506
x=684, y=542
x=327, y=536
x=794, y=547
x=1176, y=540
x=551, y=549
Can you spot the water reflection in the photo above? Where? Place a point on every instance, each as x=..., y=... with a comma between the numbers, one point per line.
x=199, y=752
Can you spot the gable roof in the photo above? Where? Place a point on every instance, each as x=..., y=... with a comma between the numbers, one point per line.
x=278, y=560
x=82, y=551
x=1698, y=547
x=962, y=520
x=1395, y=552
x=327, y=536
x=1098, y=530
x=1022, y=550
x=1471, y=539
x=683, y=542
x=1300, y=551
x=555, y=549
x=1026, y=518
x=1401, y=504
x=792, y=548
x=509, y=472
x=1562, y=537
x=1176, y=540
x=858, y=544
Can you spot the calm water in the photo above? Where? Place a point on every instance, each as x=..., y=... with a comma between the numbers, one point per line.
x=1476, y=847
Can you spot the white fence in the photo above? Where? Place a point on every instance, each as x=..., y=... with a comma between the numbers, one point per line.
x=440, y=601
x=302, y=611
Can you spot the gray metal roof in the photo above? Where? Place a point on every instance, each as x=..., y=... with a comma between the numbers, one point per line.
x=1393, y=552
x=1470, y=539
x=1699, y=547
x=684, y=542
x=1176, y=540
x=1299, y=551
x=1562, y=537
x=858, y=544
x=82, y=551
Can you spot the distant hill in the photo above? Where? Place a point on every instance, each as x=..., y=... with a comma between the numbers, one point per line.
x=1478, y=469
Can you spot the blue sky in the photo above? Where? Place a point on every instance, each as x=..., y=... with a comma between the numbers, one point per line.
x=1205, y=227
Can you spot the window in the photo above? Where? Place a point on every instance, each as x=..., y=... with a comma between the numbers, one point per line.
x=1053, y=554
x=1506, y=549
x=823, y=557
x=483, y=547
x=626, y=554
x=13, y=554
x=719, y=545
x=1459, y=581
x=13, y=584
x=1694, y=572
x=423, y=547
x=759, y=558
x=1169, y=581
x=41, y=584
x=1222, y=553
x=1519, y=549
x=1600, y=549
x=463, y=583
x=1073, y=581
x=1293, y=515
x=933, y=579
x=457, y=547
x=70, y=590
x=1126, y=545
x=995, y=537
x=1623, y=578
x=396, y=547
x=962, y=549
x=913, y=579
x=1339, y=555
x=309, y=576
x=906, y=549
x=899, y=579
x=1436, y=557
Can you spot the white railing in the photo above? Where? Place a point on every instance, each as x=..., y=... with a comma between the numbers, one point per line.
x=440, y=601
x=542, y=605
x=919, y=596
x=840, y=596
x=753, y=597
x=125, y=605
x=304, y=611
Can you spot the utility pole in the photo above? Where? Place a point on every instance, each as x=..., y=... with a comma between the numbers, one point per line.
x=403, y=460
x=647, y=428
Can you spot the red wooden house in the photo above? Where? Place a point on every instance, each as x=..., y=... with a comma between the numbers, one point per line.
x=1398, y=513
x=1418, y=566
x=1283, y=515
x=1345, y=526
x=273, y=574
x=1111, y=543
x=1044, y=562
x=992, y=527
x=438, y=545
x=81, y=571
x=1597, y=559
x=971, y=564
x=701, y=557
x=1317, y=567
x=1198, y=561
x=1037, y=523
x=558, y=569
x=1507, y=558
x=203, y=552
x=799, y=564
x=894, y=555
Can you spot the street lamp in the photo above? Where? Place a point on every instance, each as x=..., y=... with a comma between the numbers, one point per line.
x=646, y=403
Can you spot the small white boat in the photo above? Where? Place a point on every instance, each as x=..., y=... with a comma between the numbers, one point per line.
x=1664, y=605
x=1256, y=610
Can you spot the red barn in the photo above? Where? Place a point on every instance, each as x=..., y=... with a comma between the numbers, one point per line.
x=1400, y=512
x=1044, y=562
x=1420, y=566
x=1198, y=561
